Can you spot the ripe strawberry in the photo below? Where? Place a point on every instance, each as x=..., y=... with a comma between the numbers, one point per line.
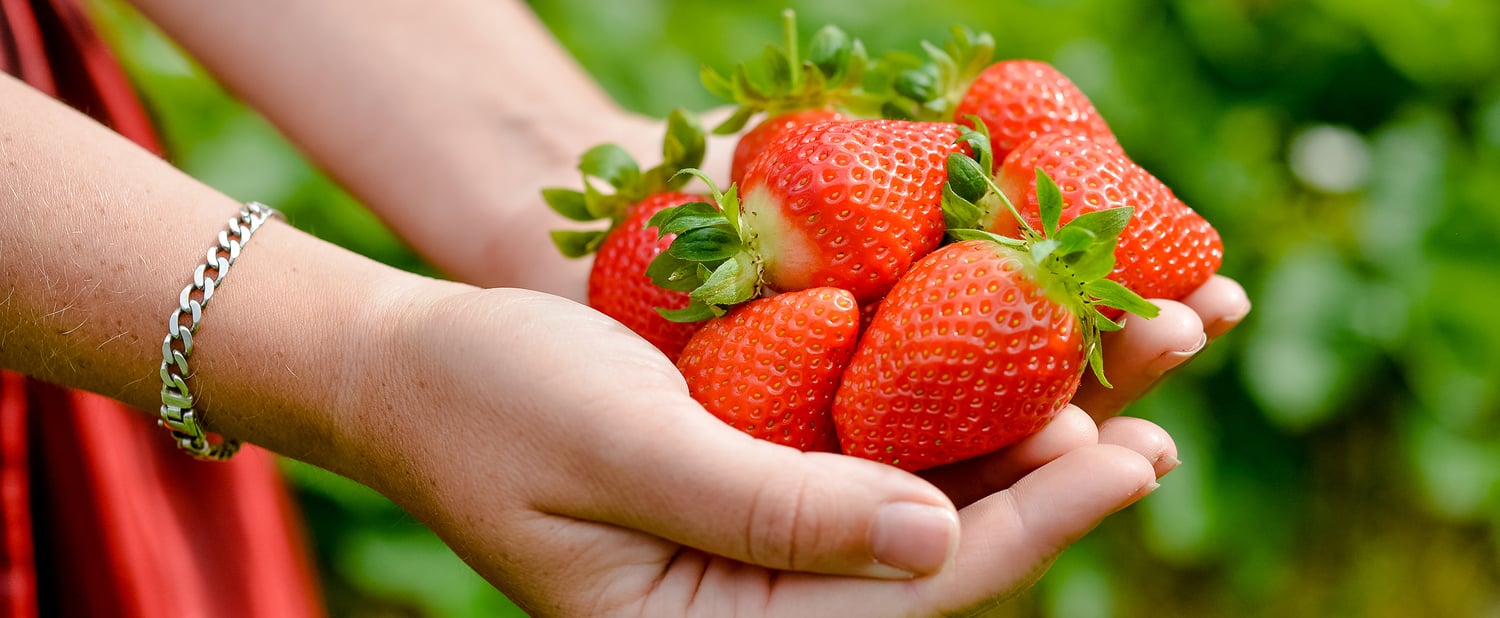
x=1022, y=99
x=1016, y=99
x=754, y=141
x=841, y=204
x=1167, y=251
x=791, y=91
x=770, y=367
x=618, y=285
x=982, y=342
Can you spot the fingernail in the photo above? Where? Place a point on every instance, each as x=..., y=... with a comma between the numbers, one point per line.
x=913, y=538
x=1166, y=463
x=1168, y=360
x=1148, y=488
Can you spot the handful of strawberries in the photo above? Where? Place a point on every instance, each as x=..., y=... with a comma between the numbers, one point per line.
x=916, y=258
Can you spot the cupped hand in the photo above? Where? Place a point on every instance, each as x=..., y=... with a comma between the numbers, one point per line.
x=561, y=457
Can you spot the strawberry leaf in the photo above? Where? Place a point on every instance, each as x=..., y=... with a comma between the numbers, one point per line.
x=1074, y=239
x=830, y=51
x=684, y=217
x=568, y=203
x=958, y=212
x=695, y=311
x=611, y=164
x=576, y=244
x=683, y=147
x=1049, y=199
x=1103, y=223
x=1042, y=249
x=705, y=244
x=967, y=177
x=1094, y=262
x=1110, y=293
x=735, y=281
x=672, y=273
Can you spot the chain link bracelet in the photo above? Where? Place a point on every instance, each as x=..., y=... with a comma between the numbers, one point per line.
x=177, y=414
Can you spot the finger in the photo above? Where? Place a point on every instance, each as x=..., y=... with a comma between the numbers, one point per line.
x=966, y=482
x=1136, y=357
x=1144, y=437
x=1009, y=540
x=720, y=491
x=1220, y=303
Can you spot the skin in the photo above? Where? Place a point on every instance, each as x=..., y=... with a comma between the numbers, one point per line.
x=524, y=428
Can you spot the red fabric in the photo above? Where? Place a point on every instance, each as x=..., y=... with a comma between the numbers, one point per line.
x=99, y=515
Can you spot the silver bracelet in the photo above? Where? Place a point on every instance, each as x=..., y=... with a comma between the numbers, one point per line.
x=177, y=414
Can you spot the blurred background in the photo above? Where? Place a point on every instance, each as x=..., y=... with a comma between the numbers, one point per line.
x=1341, y=448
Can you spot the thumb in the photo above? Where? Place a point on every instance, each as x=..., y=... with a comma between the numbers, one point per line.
x=723, y=492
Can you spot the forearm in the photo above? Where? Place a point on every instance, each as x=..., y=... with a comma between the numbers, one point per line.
x=445, y=117
x=100, y=238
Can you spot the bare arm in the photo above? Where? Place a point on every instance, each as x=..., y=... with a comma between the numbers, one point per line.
x=444, y=117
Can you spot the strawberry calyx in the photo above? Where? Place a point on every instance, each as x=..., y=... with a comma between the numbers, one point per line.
x=683, y=147
x=710, y=258
x=1072, y=262
x=782, y=81
x=930, y=89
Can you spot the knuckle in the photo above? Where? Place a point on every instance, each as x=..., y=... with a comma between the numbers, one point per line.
x=782, y=528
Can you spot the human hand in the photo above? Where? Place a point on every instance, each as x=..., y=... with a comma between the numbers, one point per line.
x=562, y=457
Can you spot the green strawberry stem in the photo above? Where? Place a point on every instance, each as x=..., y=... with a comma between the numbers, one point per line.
x=931, y=89
x=683, y=147
x=1073, y=261
x=781, y=80
x=709, y=259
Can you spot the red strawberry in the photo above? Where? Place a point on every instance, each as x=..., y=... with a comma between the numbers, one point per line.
x=1016, y=99
x=618, y=285
x=1167, y=251
x=791, y=90
x=770, y=367
x=983, y=341
x=1022, y=99
x=966, y=355
x=754, y=141
x=841, y=204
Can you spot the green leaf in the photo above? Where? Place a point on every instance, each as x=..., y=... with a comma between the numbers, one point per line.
x=736, y=121
x=1104, y=324
x=1074, y=239
x=959, y=213
x=917, y=84
x=695, y=311
x=1049, y=199
x=679, y=219
x=575, y=243
x=1096, y=362
x=716, y=83
x=973, y=234
x=610, y=163
x=1111, y=293
x=1043, y=248
x=1103, y=223
x=968, y=179
x=672, y=273
x=568, y=203
x=705, y=244
x=684, y=144
x=829, y=51
x=733, y=282
x=1095, y=262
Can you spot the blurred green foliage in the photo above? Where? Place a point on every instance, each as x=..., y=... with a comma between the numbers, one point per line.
x=1341, y=448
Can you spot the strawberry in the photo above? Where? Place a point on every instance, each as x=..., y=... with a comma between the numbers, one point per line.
x=754, y=141
x=618, y=285
x=791, y=90
x=1022, y=99
x=841, y=204
x=1167, y=251
x=983, y=341
x=770, y=367
x=1016, y=99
